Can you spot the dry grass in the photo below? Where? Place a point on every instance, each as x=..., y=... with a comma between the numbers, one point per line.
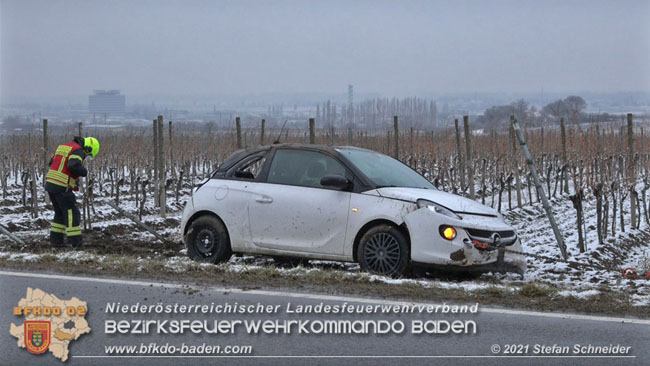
x=537, y=296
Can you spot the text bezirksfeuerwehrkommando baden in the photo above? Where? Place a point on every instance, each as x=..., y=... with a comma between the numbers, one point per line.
x=284, y=326
x=288, y=308
x=277, y=326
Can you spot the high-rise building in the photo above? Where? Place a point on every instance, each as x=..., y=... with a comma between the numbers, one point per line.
x=107, y=103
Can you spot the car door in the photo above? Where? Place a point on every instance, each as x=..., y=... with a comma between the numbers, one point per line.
x=293, y=212
x=228, y=196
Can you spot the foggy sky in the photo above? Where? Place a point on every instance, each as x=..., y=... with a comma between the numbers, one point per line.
x=54, y=48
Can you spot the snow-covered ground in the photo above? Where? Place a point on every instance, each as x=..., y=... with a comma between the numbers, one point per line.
x=623, y=250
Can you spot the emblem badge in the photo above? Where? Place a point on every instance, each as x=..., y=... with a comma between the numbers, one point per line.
x=496, y=239
x=37, y=336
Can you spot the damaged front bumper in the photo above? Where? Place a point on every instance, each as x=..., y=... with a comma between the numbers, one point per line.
x=501, y=265
x=482, y=244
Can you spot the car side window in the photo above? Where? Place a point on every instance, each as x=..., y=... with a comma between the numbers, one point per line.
x=248, y=168
x=302, y=168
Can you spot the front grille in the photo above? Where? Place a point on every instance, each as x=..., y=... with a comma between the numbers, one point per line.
x=488, y=233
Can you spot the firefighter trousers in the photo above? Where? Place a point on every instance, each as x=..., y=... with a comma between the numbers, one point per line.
x=66, y=219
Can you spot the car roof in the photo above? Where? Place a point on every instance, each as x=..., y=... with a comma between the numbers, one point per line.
x=326, y=148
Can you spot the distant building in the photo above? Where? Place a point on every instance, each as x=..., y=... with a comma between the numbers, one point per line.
x=107, y=102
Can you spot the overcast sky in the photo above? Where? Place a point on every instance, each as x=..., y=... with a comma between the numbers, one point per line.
x=54, y=48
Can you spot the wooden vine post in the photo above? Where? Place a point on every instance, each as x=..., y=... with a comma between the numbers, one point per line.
x=45, y=159
x=461, y=162
x=631, y=176
x=396, y=132
x=468, y=152
x=161, y=169
x=312, y=133
x=238, y=127
x=156, y=195
x=565, y=171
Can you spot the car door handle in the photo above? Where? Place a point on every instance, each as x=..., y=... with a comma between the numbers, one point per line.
x=264, y=199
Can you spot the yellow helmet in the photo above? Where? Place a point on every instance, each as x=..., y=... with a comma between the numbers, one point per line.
x=91, y=146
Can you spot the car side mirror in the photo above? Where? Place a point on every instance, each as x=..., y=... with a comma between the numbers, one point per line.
x=335, y=181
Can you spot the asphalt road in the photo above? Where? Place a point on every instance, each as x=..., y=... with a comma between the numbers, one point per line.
x=500, y=327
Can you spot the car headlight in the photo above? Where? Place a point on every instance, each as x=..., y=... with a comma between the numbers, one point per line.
x=438, y=209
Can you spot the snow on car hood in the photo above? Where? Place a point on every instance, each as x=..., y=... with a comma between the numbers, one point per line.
x=451, y=201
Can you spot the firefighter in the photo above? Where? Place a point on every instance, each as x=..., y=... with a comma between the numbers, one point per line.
x=66, y=166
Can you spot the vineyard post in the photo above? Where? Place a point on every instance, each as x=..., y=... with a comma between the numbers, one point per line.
x=396, y=129
x=85, y=211
x=411, y=159
x=171, y=152
x=516, y=167
x=538, y=186
x=312, y=134
x=45, y=161
x=3, y=176
x=631, y=178
x=84, y=205
x=45, y=148
x=238, y=125
x=262, y=132
x=161, y=169
x=156, y=196
x=11, y=236
x=483, y=187
x=461, y=162
x=468, y=152
x=170, y=136
x=565, y=174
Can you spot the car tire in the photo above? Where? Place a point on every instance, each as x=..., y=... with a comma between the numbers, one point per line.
x=208, y=241
x=384, y=250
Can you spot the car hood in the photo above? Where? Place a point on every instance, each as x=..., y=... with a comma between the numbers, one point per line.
x=451, y=201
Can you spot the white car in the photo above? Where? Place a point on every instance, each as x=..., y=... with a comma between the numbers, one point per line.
x=345, y=204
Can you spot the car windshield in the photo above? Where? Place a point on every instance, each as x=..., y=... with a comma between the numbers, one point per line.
x=385, y=171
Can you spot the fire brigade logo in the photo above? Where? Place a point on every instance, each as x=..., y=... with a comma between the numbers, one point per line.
x=47, y=324
x=37, y=336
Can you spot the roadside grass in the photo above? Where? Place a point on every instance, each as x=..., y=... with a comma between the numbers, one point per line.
x=531, y=295
x=536, y=289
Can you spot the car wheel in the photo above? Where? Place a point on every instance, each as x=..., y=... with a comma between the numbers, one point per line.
x=384, y=250
x=207, y=240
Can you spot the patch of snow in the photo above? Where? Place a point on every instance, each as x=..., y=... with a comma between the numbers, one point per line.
x=24, y=257
x=578, y=294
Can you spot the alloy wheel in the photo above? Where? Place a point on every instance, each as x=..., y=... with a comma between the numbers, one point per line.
x=382, y=253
